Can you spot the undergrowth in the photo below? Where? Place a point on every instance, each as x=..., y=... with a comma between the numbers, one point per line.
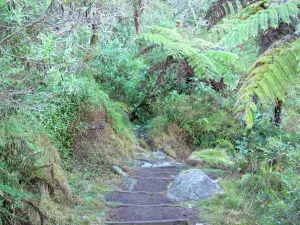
x=235, y=206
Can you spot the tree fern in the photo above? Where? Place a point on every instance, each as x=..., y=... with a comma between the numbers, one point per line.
x=222, y=8
x=201, y=55
x=270, y=77
x=261, y=21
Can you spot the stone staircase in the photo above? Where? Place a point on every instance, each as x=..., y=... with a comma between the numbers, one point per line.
x=146, y=203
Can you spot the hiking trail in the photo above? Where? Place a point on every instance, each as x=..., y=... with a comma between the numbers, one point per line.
x=143, y=198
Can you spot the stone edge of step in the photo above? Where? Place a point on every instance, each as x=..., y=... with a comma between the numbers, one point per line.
x=152, y=222
x=119, y=205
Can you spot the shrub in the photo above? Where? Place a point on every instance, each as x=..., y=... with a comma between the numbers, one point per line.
x=204, y=118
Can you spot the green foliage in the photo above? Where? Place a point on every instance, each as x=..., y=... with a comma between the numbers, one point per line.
x=198, y=115
x=27, y=159
x=270, y=77
x=262, y=20
x=200, y=54
x=223, y=8
x=275, y=182
x=120, y=73
x=235, y=206
x=214, y=157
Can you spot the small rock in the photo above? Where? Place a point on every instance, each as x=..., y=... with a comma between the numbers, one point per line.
x=162, y=164
x=159, y=155
x=119, y=171
x=193, y=185
x=147, y=165
x=129, y=183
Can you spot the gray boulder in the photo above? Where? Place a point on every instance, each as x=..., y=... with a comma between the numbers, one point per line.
x=193, y=185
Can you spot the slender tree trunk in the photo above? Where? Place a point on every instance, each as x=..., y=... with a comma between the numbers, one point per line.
x=93, y=43
x=138, y=10
x=278, y=113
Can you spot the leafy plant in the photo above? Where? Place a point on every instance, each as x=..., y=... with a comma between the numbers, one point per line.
x=262, y=20
x=200, y=54
x=269, y=78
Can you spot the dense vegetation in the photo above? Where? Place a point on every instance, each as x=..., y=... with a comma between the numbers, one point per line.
x=198, y=75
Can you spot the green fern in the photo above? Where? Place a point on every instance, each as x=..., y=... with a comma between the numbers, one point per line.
x=202, y=55
x=222, y=8
x=261, y=21
x=270, y=77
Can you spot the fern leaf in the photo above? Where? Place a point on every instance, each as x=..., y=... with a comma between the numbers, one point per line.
x=227, y=58
x=254, y=26
x=249, y=117
x=260, y=21
x=293, y=9
x=270, y=77
x=263, y=20
x=273, y=15
x=298, y=29
x=171, y=34
x=284, y=13
x=155, y=38
x=206, y=61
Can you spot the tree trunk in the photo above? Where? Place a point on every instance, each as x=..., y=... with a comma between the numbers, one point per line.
x=138, y=10
x=278, y=113
x=93, y=43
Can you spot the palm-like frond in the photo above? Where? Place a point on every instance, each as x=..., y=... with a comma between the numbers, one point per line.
x=270, y=77
x=261, y=21
x=201, y=55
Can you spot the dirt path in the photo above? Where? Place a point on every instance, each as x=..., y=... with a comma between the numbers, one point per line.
x=146, y=203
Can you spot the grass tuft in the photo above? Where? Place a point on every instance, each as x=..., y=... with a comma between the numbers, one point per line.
x=214, y=157
x=235, y=206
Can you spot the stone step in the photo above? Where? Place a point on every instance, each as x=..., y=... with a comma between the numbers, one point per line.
x=157, y=174
x=151, y=184
x=153, y=161
x=153, y=178
x=150, y=213
x=136, y=192
x=170, y=169
x=154, y=222
x=115, y=204
x=138, y=198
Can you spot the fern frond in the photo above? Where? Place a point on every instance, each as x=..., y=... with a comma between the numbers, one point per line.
x=200, y=54
x=203, y=65
x=227, y=58
x=156, y=38
x=200, y=43
x=220, y=30
x=169, y=33
x=298, y=29
x=261, y=21
x=270, y=77
x=222, y=8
